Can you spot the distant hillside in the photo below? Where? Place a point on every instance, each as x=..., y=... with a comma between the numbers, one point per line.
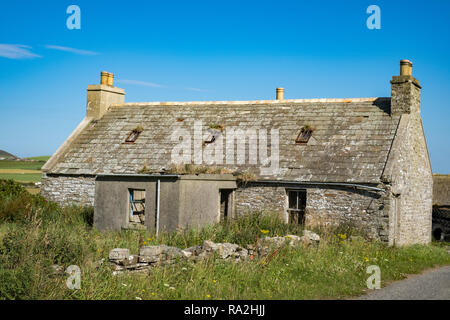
x=7, y=156
x=40, y=158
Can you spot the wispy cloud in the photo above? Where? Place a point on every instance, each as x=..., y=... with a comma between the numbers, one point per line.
x=140, y=83
x=72, y=50
x=17, y=51
x=196, y=89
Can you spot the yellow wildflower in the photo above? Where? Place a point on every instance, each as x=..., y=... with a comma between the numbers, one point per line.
x=367, y=259
x=264, y=231
x=208, y=296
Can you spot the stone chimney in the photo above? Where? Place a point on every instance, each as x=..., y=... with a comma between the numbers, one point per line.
x=101, y=96
x=280, y=93
x=405, y=91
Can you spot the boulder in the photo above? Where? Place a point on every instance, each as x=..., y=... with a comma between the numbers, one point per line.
x=171, y=253
x=208, y=245
x=310, y=238
x=192, y=251
x=118, y=255
x=226, y=250
x=150, y=254
x=240, y=254
x=161, y=253
x=275, y=242
x=132, y=260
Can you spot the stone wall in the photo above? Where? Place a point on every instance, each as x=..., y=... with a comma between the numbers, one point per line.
x=329, y=206
x=66, y=189
x=361, y=209
x=412, y=184
x=441, y=189
x=254, y=197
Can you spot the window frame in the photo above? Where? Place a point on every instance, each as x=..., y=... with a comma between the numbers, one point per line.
x=304, y=136
x=300, y=206
x=132, y=204
x=132, y=136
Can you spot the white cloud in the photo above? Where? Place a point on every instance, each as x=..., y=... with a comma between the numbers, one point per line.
x=72, y=50
x=196, y=89
x=17, y=51
x=140, y=83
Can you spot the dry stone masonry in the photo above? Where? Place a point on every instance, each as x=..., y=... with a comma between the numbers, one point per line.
x=149, y=256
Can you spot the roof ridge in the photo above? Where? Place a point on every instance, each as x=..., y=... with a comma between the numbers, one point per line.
x=321, y=100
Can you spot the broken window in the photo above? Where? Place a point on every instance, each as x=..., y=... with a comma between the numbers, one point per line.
x=213, y=135
x=296, y=206
x=134, y=135
x=226, y=200
x=210, y=139
x=137, y=206
x=304, y=135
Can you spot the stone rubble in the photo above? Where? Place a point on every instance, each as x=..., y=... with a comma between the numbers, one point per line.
x=121, y=260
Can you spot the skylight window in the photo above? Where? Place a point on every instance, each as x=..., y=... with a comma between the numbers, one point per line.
x=134, y=135
x=304, y=135
x=210, y=139
x=214, y=132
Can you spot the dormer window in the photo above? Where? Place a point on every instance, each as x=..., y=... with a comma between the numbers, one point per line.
x=134, y=135
x=304, y=135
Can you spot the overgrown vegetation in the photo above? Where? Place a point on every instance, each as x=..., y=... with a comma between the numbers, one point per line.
x=197, y=169
x=138, y=129
x=241, y=176
x=216, y=126
x=35, y=234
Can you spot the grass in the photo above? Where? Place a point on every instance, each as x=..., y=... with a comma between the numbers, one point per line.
x=40, y=158
x=22, y=177
x=25, y=165
x=23, y=171
x=35, y=234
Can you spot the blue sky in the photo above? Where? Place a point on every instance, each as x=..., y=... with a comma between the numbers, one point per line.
x=214, y=50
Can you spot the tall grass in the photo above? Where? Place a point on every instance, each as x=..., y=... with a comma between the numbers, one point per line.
x=35, y=234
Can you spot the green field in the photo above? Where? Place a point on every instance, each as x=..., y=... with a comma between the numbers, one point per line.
x=23, y=165
x=22, y=177
x=40, y=158
x=26, y=165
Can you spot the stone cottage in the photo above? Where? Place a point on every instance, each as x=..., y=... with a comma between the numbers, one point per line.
x=359, y=161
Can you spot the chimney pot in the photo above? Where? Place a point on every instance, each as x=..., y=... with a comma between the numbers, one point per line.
x=110, y=79
x=280, y=93
x=104, y=77
x=405, y=68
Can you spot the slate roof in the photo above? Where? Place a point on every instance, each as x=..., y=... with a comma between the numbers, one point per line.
x=351, y=141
